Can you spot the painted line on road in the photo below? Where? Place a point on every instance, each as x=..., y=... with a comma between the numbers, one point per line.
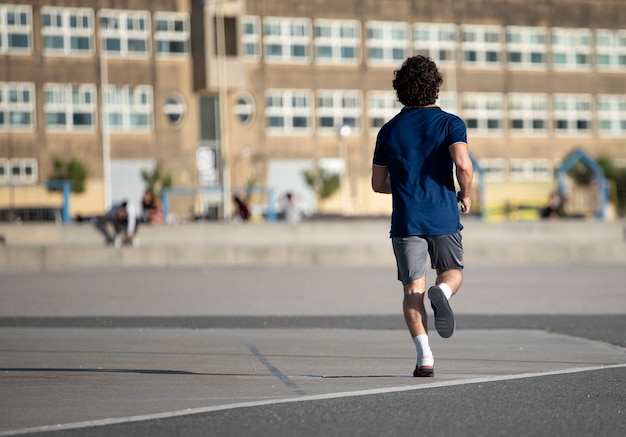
x=201, y=410
x=274, y=370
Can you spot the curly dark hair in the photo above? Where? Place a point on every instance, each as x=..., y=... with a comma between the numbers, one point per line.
x=417, y=82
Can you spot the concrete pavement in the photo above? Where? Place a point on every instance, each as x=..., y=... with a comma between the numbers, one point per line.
x=78, y=377
x=215, y=329
x=95, y=351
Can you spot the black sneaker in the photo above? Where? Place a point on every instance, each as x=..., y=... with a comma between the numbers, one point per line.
x=424, y=372
x=444, y=317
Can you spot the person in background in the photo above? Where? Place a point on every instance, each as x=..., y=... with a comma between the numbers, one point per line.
x=243, y=212
x=122, y=218
x=152, y=211
x=414, y=159
x=554, y=208
x=293, y=214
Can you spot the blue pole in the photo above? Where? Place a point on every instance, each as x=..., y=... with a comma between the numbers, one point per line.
x=603, y=187
x=67, y=188
x=481, y=186
x=165, y=200
x=271, y=212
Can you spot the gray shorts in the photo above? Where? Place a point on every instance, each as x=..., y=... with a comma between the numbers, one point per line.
x=446, y=253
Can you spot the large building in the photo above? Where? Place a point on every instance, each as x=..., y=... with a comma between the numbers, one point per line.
x=226, y=94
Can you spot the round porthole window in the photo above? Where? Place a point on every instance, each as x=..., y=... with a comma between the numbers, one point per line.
x=244, y=108
x=174, y=108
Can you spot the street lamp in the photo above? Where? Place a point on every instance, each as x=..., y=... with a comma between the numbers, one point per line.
x=344, y=132
x=223, y=96
x=104, y=125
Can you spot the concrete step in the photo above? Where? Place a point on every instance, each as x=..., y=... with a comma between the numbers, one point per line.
x=341, y=242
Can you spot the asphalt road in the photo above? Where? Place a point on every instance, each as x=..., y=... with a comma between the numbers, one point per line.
x=538, y=351
x=581, y=404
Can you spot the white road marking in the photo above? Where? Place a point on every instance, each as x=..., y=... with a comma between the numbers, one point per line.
x=201, y=410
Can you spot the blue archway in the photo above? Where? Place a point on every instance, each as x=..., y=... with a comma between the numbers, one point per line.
x=603, y=186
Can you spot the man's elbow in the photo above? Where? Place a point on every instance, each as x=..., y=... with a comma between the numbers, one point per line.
x=465, y=167
x=380, y=186
x=375, y=185
x=382, y=189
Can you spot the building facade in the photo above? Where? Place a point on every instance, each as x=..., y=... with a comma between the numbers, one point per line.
x=105, y=83
x=229, y=94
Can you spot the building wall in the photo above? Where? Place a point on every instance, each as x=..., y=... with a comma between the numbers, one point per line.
x=458, y=78
x=251, y=146
x=172, y=146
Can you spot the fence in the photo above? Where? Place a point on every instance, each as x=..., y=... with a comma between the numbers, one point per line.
x=526, y=200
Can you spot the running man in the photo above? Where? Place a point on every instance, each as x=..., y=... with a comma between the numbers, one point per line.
x=417, y=155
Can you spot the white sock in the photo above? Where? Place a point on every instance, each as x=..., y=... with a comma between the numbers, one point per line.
x=447, y=291
x=424, y=354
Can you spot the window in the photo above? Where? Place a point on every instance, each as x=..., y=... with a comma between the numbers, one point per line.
x=481, y=45
x=382, y=106
x=611, y=110
x=17, y=106
x=251, y=38
x=128, y=109
x=572, y=114
x=16, y=33
x=387, y=42
x=528, y=114
x=531, y=169
x=526, y=47
x=494, y=169
x=436, y=41
x=289, y=111
x=483, y=112
x=611, y=49
x=337, y=42
x=571, y=48
x=244, y=108
x=125, y=33
x=174, y=108
x=171, y=33
x=287, y=39
x=67, y=31
x=337, y=108
x=18, y=171
x=70, y=107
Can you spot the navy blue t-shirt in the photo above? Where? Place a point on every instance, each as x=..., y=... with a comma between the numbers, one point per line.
x=414, y=148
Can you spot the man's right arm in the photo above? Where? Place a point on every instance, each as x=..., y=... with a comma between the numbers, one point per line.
x=464, y=173
x=380, y=179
